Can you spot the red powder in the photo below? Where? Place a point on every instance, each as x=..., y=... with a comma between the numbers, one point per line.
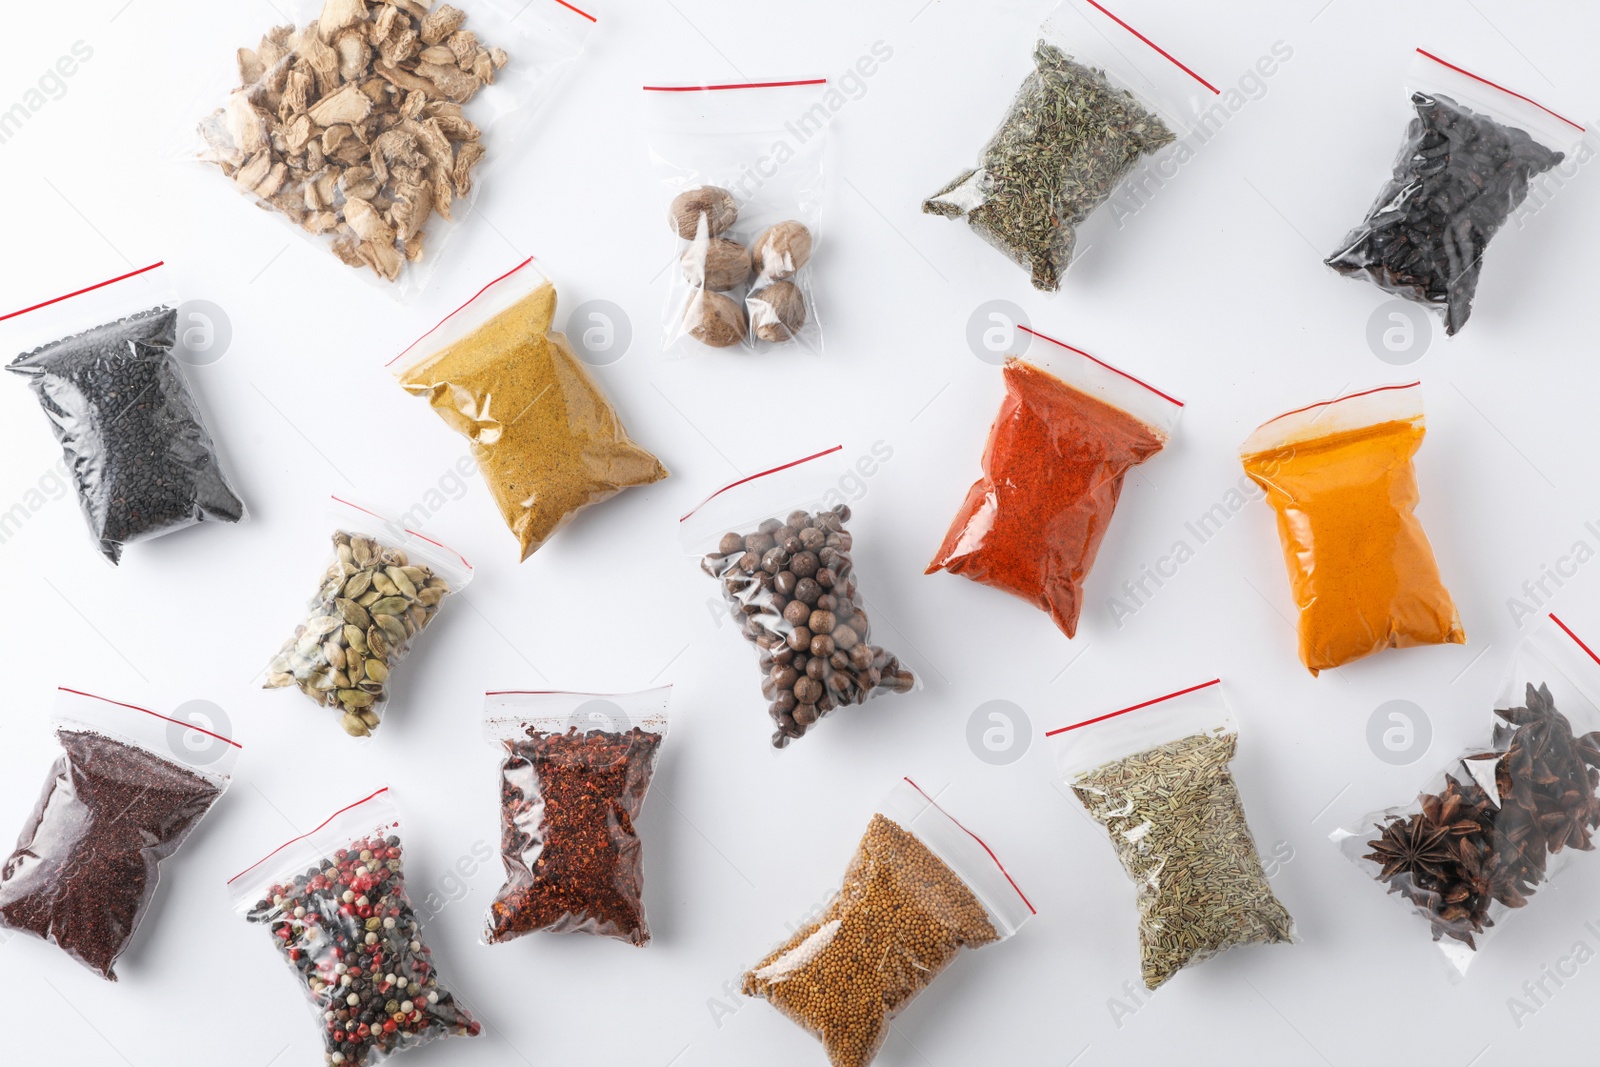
x=1052, y=473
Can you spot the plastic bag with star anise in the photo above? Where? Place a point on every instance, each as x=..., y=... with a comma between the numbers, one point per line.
x=1488, y=834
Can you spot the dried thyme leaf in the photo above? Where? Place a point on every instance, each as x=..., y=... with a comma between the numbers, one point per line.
x=1178, y=826
x=1069, y=140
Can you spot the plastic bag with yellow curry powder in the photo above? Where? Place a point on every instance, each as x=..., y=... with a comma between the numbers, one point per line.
x=546, y=439
x=1339, y=476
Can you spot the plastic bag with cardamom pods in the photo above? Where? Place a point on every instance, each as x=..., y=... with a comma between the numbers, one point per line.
x=920, y=888
x=1484, y=837
x=1103, y=104
x=370, y=125
x=741, y=180
x=1156, y=776
x=382, y=586
x=778, y=544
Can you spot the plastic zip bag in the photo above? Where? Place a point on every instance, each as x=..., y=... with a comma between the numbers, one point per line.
x=920, y=888
x=1491, y=831
x=1463, y=168
x=123, y=796
x=358, y=123
x=1069, y=429
x=545, y=437
x=1102, y=100
x=335, y=901
x=1158, y=781
x=382, y=587
x=572, y=781
x=741, y=169
x=107, y=376
x=1339, y=476
x=779, y=546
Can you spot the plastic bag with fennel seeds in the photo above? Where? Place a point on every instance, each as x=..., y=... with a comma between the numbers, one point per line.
x=1083, y=120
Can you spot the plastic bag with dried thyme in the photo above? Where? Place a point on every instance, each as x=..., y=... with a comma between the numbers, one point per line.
x=358, y=122
x=1156, y=776
x=920, y=888
x=1094, y=107
x=547, y=441
x=1483, y=837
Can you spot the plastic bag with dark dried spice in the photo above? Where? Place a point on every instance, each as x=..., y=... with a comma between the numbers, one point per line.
x=779, y=545
x=382, y=588
x=920, y=889
x=336, y=904
x=118, y=402
x=1486, y=836
x=1093, y=109
x=1463, y=168
x=572, y=782
x=126, y=791
x=1156, y=776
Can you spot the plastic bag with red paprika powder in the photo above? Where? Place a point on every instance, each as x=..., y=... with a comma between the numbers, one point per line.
x=335, y=902
x=1069, y=429
x=128, y=788
x=574, y=776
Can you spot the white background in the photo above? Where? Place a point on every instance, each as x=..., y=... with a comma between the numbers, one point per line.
x=1215, y=292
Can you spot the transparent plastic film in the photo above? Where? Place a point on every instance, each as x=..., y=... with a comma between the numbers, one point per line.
x=1069, y=429
x=573, y=779
x=382, y=587
x=547, y=440
x=1485, y=837
x=1340, y=479
x=784, y=562
x=919, y=889
x=1156, y=776
x=122, y=797
x=1464, y=167
x=335, y=902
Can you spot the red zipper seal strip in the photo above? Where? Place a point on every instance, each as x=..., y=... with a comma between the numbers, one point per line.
x=85, y=289
x=1568, y=631
x=1101, y=362
x=167, y=718
x=458, y=310
x=413, y=533
x=1136, y=707
x=761, y=474
x=1492, y=85
x=307, y=834
x=979, y=840
x=579, y=10
x=1340, y=399
x=731, y=85
x=1166, y=54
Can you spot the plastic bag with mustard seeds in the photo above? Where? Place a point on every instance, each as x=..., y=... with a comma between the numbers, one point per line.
x=920, y=888
x=546, y=439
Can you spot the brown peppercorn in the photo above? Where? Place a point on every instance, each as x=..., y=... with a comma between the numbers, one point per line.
x=803, y=564
x=807, y=690
x=806, y=714
x=797, y=613
x=800, y=639
x=730, y=543
x=821, y=645
x=822, y=622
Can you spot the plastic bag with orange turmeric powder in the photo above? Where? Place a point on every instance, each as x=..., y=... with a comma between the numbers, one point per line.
x=1069, y=429
x=1340, y=478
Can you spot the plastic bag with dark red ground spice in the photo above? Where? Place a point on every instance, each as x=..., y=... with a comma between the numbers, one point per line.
x=574, y=776
x=125, y=792
x=335, y=902
x=1069, y=429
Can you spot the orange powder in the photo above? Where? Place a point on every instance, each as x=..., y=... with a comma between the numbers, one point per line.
x=1362, y=571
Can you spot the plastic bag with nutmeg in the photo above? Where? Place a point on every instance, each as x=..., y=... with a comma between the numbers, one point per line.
x=920, y=888
x=740, y=173
x=779, y=544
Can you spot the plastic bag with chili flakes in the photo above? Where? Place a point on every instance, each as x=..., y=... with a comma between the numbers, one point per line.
x=779, y=545
x=1485, y=837
x=920, y=888
x=335, y=902
x=1340, y=478
x=129, y=787
x=572, y=782
x=1069, y=429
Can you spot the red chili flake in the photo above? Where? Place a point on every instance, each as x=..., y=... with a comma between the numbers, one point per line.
x=85, y=867
x=573, y=860
x=1052, y=473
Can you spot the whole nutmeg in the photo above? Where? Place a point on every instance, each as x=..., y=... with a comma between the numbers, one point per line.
x=781, y=250
x=709, y=202
x=715, y=320
x=777, y=311
x=719, y=264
